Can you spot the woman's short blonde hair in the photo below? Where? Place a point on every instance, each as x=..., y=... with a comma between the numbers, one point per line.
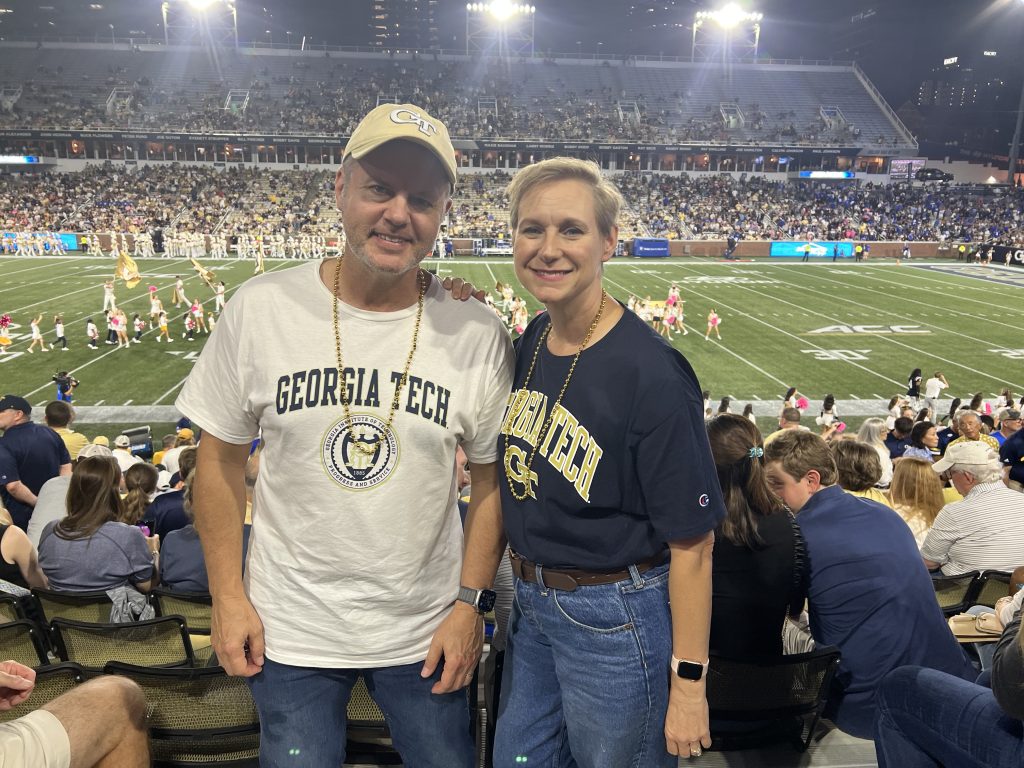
x=607, y=198
x=916, y=489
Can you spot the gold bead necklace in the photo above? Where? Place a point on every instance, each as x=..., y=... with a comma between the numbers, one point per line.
x=551, y=414
x=364, y=447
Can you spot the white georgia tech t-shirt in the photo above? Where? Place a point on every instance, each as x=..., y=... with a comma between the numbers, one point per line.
x=351, y=562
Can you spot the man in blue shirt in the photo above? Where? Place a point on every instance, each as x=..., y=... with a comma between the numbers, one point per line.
x=30, y=454
x=898, y=440
x=1012, y=455
x=868, y=591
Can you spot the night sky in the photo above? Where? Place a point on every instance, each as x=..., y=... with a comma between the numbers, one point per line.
x=897, y=44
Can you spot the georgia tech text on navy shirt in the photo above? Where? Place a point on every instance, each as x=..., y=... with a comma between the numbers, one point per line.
x=319, y=387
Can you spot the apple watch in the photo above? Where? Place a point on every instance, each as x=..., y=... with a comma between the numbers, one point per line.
x=689, y=670
x=481, y=599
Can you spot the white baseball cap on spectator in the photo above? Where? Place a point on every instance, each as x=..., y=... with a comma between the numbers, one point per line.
x=971, y=452
x=122, y=441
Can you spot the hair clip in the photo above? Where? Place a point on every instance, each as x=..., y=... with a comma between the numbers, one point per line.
x=755, y=453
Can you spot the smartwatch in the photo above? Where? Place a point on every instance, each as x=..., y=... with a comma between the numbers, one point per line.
x=689, y=670
x=481, y=599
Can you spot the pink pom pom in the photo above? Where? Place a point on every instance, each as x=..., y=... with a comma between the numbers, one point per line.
x=152, y=289
x=988, y=409
x=802, y=403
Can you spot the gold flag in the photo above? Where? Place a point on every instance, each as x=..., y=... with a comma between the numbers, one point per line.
x=127, y=269
x=207, y=275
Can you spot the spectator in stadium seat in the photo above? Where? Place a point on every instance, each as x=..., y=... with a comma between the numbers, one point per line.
x=140, y=485
x=789, y=419
x=858, y=469
x=916, y=495
x=898, y=438
x=1009, y=424
x=167, y=510
x=30, y=454
x=924, y=439
x=88, y=550
x=873, y=432
x=58, y=416
x=182, y=565
x=866, y=582
x=928, y=718
x=19, y=560
x=986, y=529
x=168, y=442
x=101, y=723
x=122, y=453
x=348, y=574
x=611, y=702
x=52, y=504
x=971, y=431
x=1011, y=454
x=758, y=542
x=185, y=438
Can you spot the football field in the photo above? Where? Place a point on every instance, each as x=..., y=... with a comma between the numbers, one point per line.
x=853, y=330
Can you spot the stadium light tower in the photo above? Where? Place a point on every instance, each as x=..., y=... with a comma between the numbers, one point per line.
x=727, y=29
x=501, y=27
x=187, y=22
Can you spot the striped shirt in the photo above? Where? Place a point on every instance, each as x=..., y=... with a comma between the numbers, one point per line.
x=984, y=531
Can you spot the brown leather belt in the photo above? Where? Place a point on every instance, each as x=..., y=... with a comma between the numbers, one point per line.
x=568, y=579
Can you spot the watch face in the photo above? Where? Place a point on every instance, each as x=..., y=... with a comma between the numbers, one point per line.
x=689, y=670
x=486, y=601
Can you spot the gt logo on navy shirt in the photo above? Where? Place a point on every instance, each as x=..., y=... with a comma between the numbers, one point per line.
x=568, y=446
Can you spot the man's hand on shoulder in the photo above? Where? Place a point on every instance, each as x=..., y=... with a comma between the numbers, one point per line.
x=463, y=290
x=457, y=644
x=237, y=636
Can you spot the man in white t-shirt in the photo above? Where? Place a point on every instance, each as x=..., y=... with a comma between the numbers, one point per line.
x=355, y=563
x=933, y=390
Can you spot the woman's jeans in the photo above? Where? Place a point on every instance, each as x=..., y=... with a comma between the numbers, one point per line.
x=928, y=719
x=586, y=676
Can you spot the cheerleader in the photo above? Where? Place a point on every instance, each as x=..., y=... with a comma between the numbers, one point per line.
x=520, y=317
x=120, y=321
x=162, y=324
x=156, y=306
x=190, y=327
x=139, y=325
x=37, y=336
x=92, y=333
x=5, y=340
x=668, y=319
x=199, y=314
x=713, y=322
x=58, y=329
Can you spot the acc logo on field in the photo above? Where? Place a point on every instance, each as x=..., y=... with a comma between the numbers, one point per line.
x=351, y=468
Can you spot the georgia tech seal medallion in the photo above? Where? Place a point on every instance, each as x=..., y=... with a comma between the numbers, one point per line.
x=357, y=470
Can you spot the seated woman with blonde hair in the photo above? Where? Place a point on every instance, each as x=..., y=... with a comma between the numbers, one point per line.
x=916, y=495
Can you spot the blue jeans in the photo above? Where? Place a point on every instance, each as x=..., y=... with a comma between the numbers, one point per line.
x=586, y=676
x=303, y=716
x=928, y=718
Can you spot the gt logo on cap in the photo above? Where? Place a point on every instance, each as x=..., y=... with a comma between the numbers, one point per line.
x=408, y=117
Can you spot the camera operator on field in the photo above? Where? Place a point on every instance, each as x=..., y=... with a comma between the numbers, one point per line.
x=66, y=384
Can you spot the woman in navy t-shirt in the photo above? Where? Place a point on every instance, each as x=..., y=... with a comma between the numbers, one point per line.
x=609, y=501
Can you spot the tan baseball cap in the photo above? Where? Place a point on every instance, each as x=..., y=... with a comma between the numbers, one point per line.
x=389, y=122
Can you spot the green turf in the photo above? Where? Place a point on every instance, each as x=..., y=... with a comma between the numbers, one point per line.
x=970, y=329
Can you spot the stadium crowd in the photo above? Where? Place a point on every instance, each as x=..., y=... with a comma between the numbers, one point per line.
x=196, y=199
x=475, y=99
